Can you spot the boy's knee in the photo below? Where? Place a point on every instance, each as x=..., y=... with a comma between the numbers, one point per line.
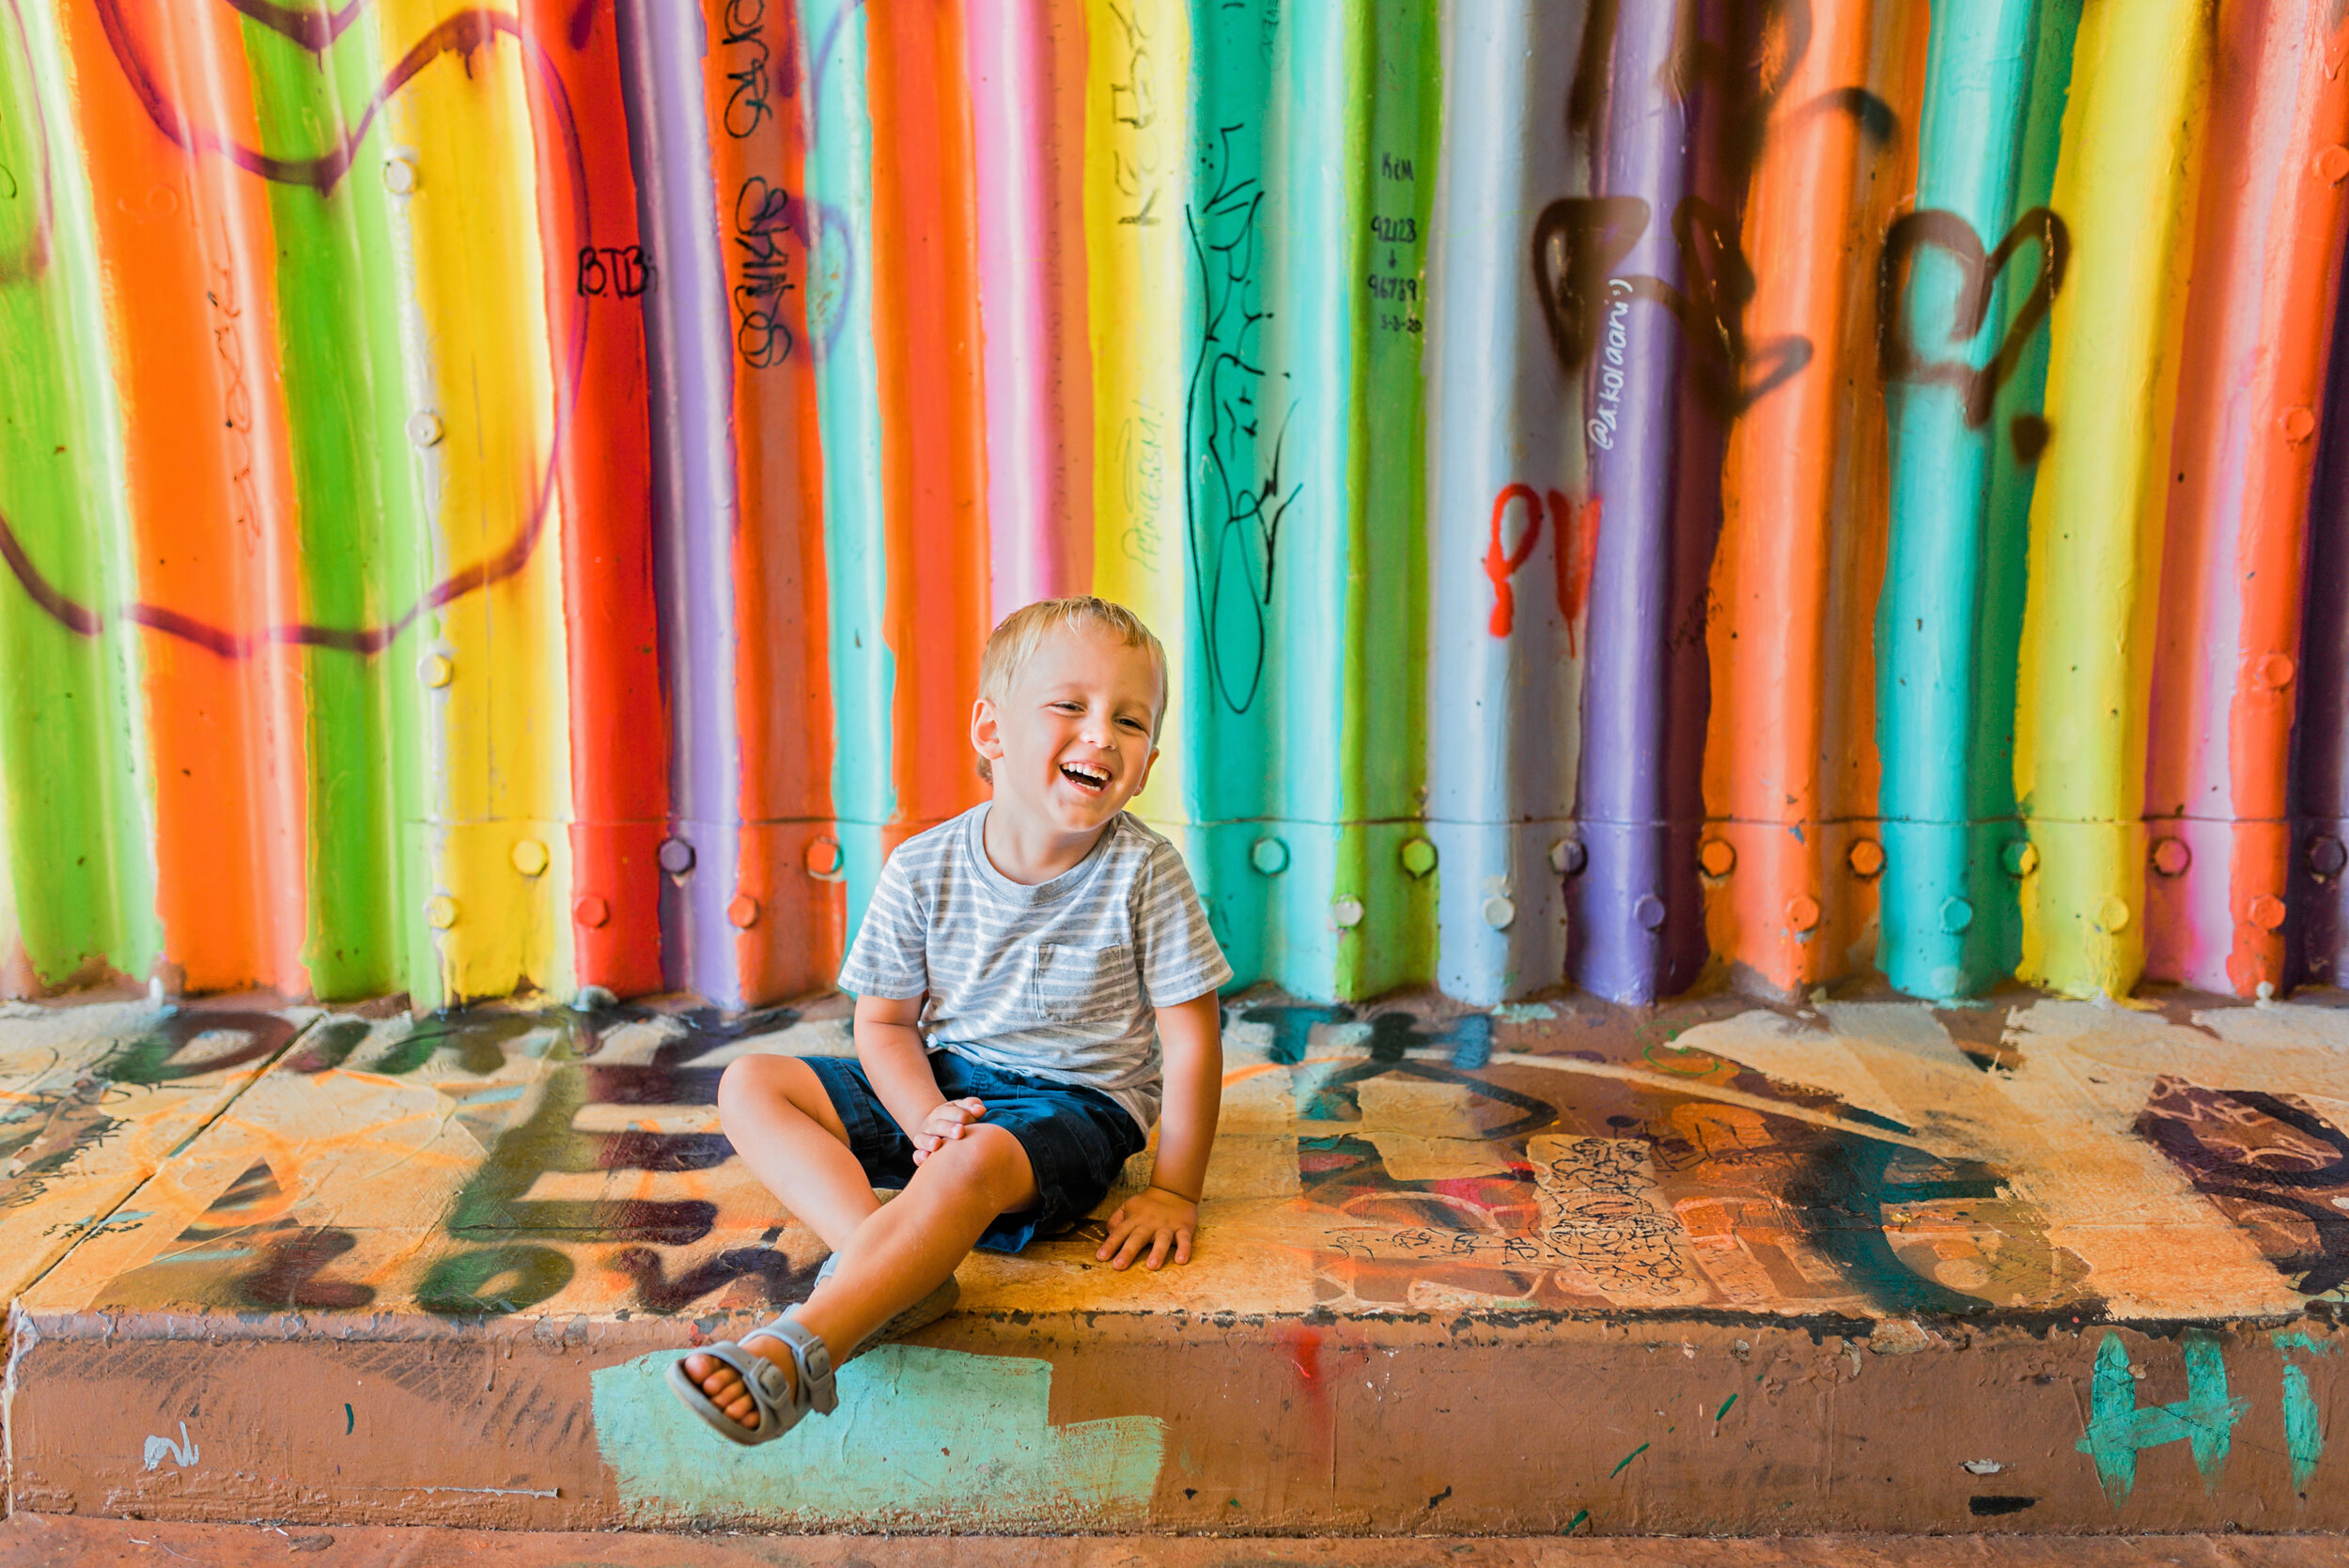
x=988, y=1155
x=764, y=1078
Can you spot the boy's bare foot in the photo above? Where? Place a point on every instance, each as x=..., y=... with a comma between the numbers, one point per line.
x=725, y=1386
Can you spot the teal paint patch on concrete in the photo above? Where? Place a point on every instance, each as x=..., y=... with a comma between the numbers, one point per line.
x=2304, y=1424
x=923, y=1438
x=2118, y=1430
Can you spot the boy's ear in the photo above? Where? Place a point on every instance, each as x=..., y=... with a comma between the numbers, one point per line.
x=1147, y=762
x=986, y=732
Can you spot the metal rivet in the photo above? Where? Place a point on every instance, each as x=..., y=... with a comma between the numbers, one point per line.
x=2172, y=856
x=1500, y=913
x=590, y=911
x=1866, y=858
x=2299, y=424
x=435, y=670
x=2267, y=912
x=1269, y=856
x=1345, y=912
x=1649, y=912
x=530, y=856
x=824, y=858
x=1802, y=912
x=2327, y=855
x=1567, y=857
x=1718, y=856
x=399, y=177
x=440, y=911
x=676, y=857
x=424, y=427
x=2331, y=163
x=2112, y=915
x=1957, y=915
x=743, y=911
x=1419, y=856
x=2275, y=671
x=2020, y=857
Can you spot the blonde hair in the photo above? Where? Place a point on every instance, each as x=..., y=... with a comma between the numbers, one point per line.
x=1014, y=642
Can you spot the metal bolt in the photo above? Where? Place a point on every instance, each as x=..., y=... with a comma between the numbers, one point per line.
x=1567, y=857
x=824, y=859
x=1866, y=858
x=2275, y=671
x=590, y=911
x=2172, y=856
x=676, y=857
x=424, y=427
x=743, y=911
x=1957, y=915
x=2331, y=163
x=2327, y=855
x=2267, y=912
x=435, y=671
x=399, y=177
x=1500, y=913
x=1802, y=912
x=2299, y=424
x=2112, y=915
x=1419, y=856
x=2020, y=857
x=1649, y=912
x=1345, y=912
x=1269, y=856
x=530, y=856
x=440, y=911
x=1718, y=856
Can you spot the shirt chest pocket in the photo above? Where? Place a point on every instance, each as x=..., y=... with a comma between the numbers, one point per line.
x=1071, y=983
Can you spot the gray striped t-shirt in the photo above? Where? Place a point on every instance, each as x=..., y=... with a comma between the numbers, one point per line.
x=1058, y=980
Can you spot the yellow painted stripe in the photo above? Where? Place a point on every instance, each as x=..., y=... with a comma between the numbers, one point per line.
x=2124, y=185
x=498, y=784
x=1137, y=269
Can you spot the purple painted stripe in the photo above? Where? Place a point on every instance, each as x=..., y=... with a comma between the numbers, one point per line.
x=1638, y=930
x=689, y=360
x=2318, y=949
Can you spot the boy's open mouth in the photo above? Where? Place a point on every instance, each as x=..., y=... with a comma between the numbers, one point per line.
x=1086, y=776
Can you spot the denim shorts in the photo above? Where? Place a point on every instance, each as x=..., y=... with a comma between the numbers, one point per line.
x=1078, y=1139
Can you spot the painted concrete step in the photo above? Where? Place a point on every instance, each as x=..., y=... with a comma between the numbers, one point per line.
x=43, y=1541
x=2031, y=1266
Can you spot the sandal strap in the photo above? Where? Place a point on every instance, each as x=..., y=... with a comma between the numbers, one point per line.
x=810, y=1357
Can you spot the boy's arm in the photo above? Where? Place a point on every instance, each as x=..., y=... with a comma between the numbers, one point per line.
x=1166, y=1214
x=889, y=1043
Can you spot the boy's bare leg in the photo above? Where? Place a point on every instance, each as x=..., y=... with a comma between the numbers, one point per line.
x=892, y=1254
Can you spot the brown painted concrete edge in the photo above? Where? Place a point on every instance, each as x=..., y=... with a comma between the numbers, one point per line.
x=1410, y=1425
x=38, y=1540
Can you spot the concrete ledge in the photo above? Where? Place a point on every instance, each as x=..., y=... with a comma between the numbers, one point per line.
x=2036, y=1267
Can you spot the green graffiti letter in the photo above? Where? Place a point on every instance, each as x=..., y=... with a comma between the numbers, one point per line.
x=2118, y=1429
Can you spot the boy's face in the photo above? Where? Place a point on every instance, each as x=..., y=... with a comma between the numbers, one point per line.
x=1070, y=741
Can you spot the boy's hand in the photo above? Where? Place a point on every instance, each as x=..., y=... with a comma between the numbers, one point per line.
x=946, y=1120
x=1153, y=1218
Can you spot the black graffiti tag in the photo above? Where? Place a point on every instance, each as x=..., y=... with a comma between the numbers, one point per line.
x=1952, y=234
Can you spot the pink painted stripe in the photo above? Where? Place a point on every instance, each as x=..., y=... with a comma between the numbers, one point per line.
x=1010, y=65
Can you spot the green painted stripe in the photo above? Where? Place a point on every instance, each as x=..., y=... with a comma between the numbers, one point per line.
x=365, y=545
x=78, y=831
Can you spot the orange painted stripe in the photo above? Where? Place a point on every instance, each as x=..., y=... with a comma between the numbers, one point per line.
x=790, y=924
x=926, y=331
x=1790, y=760
x=2302, y=269
x=184, y=243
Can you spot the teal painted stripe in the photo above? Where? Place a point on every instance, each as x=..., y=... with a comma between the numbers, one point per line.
x=79, y=833
x=1234, y=421
x=847, y=412
x=1950, y=621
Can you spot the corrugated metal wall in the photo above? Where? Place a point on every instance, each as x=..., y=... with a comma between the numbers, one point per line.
x=512, y=496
